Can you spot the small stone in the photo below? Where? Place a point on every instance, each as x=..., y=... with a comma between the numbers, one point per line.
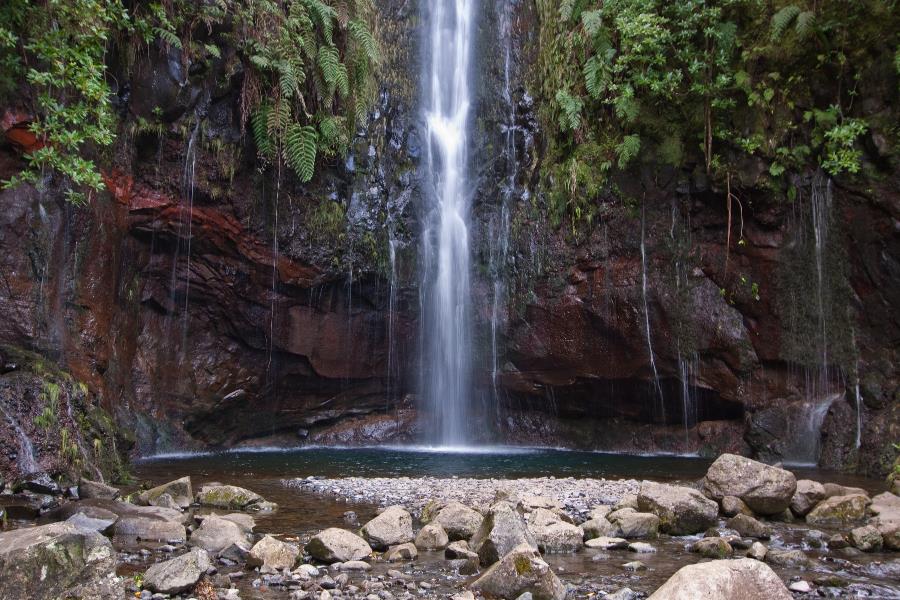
x=787, y=558
x=749, y=527
x=308, y=570
x=867, y=538
x=838, y=541
x=355, y=565
x=401, y=552
x=641, y=547
x=801, y=586
x=607, y=543
x=634, y=565
x=623, y=594
x=712, y=547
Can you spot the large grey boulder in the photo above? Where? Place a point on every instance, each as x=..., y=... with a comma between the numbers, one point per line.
x=502, y=530
x=742, y=579
x=393, y=526
x=215, y=534
x=95, y=489
x=886, y=508
x=271, y=555
x=594, y=528
x=681, y=510
x=458, y=520
x=552, y=534
x=432, y=537
x=866, y=538
x=521, y=571
x=92, y=517
x=839, y=510
x=177, y=574
x=749, y=527
x=55, y=561
x=808, y=494
x=338, y=545
x=179, y=490
x=766, y=490
x=150, y=529
x=633, y=524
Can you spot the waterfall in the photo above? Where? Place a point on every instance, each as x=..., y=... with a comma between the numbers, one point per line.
x=447, y=381
x=392, y=363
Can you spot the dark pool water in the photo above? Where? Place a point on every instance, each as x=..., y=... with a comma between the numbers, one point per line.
x=302, y=513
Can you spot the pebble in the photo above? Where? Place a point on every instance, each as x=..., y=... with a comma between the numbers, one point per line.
x=801, y=586
x=641, y=547
x=355, y=565
x=634, y=565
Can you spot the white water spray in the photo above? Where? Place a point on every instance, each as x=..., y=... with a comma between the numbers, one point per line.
x=662, y=405
x=447, y=381
x=26, y=458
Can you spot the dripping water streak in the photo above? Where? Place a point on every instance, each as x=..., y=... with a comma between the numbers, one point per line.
x=26, y=460
x=647, y=314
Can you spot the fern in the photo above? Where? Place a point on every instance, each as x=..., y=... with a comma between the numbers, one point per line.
x=259, y=123
x=329, y=65
x=324, y=15
x=570, y=110
x=806, y=22
x=592, y=20
x=167, y=36
x=213, y=50
x=782, y=20
x=300, y=144
x=628, y=149
x=365, y=39
x=594, y=75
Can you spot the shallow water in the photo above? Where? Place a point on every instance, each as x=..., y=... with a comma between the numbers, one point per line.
x=302, y=513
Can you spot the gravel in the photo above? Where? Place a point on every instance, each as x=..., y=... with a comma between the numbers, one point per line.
x=576, y=495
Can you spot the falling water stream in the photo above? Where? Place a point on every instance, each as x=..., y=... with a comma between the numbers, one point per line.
x=447, y=377
x=662, y=405
x=26, y=459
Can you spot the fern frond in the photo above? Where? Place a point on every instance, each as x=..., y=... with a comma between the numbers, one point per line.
x=259, y=123
x=324, y=15
x=782, y=20
x=365, y=39
x=168, y=37
x=628, y=149
x=592, y=20
x=329, y=65
x=594, y=76
x=570, y=110
x=300, y=144
x=213, y=50
x=806, y=23
x=278, y=119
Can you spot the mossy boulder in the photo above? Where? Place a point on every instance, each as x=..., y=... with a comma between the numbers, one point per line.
x=179, y=490
x=520, y=571
x=54, y=561
x=230, y=497
x=839, y=510
x=681, y=510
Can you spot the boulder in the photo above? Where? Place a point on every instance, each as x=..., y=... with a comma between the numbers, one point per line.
x=432, y=537
x=867, y=538
x=681, y=510
x=458, y=520
x=95, y=489
x=607, y=543
x=594, y=528
x=808, y=494
x=179, y=491
x=215, y=534
x=230, y=497
x=626, y=501
x=393, y=526
x=501, y=531
x=712, y=547
x=757, y=551
x=150, y=529
x=787, y=558
x=459, y=549
x=177, y=574
x=271, y=555
x=749, y=527
x=337, y=545
x=835, y=489
x=601, y=511
x=637, y=525
x=520, y=571
x=741, y=579
x=242, y=520
x=766, y=490
x=732, y=505
x=839, y=510
x=54, y=561
x=401, y=552
x=552, y=534
x=96, y=519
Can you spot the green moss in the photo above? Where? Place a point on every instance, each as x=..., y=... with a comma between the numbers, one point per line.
x=522, y=564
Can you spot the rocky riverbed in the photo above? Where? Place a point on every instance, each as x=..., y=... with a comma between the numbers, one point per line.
x=745, y=530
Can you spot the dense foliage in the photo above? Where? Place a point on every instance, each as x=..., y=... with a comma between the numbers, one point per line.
x=308, y=72
x=708, y=83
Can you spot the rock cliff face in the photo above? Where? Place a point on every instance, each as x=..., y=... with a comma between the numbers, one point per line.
x=205, y=302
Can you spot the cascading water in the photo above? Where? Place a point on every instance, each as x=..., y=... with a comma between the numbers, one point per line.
x=447, y=336
x=26, y=459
